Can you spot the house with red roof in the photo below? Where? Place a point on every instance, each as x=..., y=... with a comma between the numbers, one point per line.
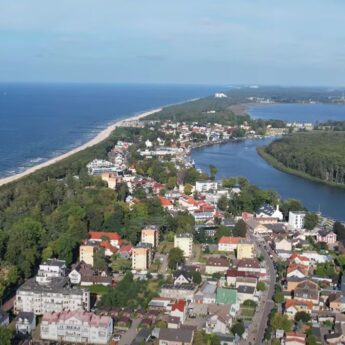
x=179, y=309
x=294, y=338
x=100, y=236
x=165, y=203
x=228, y=243
x=293, y=306
x=299, y=259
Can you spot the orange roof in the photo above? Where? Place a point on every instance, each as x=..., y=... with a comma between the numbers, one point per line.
x=107, y=245
x=97, y=235
x=292, y=302
x=179, y=305
x=295, y=337
x=230, y=240
x=300, y=257
x=164, y=201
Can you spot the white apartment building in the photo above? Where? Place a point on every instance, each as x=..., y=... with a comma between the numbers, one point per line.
x=52, y=268
x=76, y=327
x=296, y=219
x=205, y=186
x=56, y=297
x=185, y=243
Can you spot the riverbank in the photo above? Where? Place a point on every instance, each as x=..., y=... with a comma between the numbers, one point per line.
x=278, y=165
x=104, y=134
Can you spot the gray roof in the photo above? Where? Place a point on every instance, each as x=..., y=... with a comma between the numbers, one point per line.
x=55, y=262
x=3, y=316
x=179, y=335
x=26, y=315
x=57, y=285
x=141, y=337
x=246, y=289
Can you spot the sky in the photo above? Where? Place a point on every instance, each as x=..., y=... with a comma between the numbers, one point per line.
x=272, y=42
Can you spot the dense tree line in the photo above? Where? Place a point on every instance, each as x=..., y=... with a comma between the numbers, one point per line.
x=48, y=213
x=318, y=154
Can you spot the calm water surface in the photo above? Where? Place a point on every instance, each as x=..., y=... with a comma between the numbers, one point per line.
x=241, y=159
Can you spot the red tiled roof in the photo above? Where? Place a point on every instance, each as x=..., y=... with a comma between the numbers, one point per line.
x=107, y=245
x=97, y=235
x=293, y=302
x=179, y=305
x=127, y=248
x=164, y=201
x=230, y=240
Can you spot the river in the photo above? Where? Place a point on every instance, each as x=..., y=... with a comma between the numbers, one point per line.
x=241, y=159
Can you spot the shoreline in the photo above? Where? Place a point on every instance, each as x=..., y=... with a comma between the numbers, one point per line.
x=273, y=162
x=104, y=134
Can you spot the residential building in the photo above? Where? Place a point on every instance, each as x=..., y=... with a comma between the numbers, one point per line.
x=86, y=253
x=307, y=291
x=182, y=277
x=141, y=257
x=296, y=219
x=226, y=296
x=268, y=210
x=218, y=324
x=165, y=203
x=216, y=265
x=245, y=250
x=170, y=336
x=25, y=323
x=52, y=268
x=326, y=236
x=76, y=327
x=100, y=236
x=246, y=292
x=206, y=186
x=179, y=310
x=39, y=299
x=150, y=234
x=250, y=266
x=293, y=338
x=84, y=275
x=207, y=293
x=283, y=245
x=184, y=241
x=228, y=243
x=293, y=306
x=183, y=291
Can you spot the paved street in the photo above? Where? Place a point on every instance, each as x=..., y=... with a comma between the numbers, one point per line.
x=259, y=322
x=129, y=336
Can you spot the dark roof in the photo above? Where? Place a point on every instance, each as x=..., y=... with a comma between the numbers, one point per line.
x=246, y=289
x=186, y=274
x=178, y=335
x=26, y=315
x=267, y=209
x=141, y=337
x=3, y=316
x=218, y=261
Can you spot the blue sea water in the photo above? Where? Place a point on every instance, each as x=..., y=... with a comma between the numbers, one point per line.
x=40, y=121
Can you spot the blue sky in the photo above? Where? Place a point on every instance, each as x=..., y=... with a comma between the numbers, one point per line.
x=294, y=42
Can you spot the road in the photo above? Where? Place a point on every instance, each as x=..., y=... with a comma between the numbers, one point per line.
x=132, y=332
x=259, y=322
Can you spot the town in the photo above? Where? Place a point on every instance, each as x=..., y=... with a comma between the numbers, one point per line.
x=236, y=265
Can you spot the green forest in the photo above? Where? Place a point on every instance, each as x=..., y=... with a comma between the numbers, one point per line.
x=319, y=154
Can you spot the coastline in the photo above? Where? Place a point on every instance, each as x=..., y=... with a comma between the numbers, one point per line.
x=277, y=165
x=104, y=134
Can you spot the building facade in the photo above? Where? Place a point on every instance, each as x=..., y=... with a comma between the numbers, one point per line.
x=185, y=243
x=76, y=327
x=296, y=219
x=141, y=257
x=150, y=234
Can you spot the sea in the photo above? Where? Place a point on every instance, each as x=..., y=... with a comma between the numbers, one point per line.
x=41, y=121
x=241, y=159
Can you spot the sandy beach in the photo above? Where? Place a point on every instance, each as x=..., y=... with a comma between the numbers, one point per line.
x=97, y=139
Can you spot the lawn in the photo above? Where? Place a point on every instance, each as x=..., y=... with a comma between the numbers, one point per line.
x=247, y=312
x=98, y=289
